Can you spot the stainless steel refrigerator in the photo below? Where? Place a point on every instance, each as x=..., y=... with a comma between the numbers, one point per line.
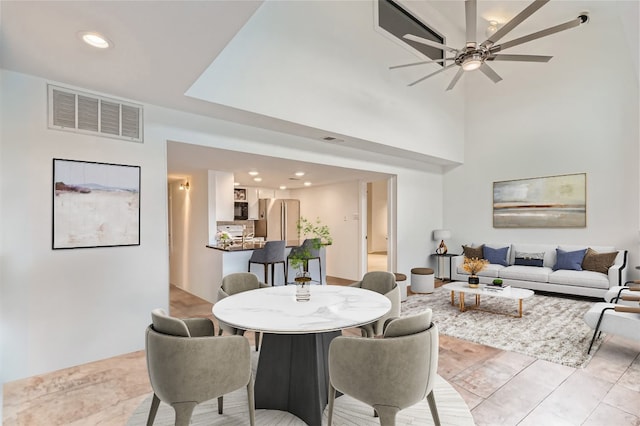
x=278, y=220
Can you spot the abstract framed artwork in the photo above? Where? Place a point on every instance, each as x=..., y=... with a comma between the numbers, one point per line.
x=544, y=202
x=95, y=204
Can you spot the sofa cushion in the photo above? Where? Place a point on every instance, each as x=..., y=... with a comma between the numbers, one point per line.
x=579, y=278
x=598, y=262
x=549, y=251
x=571, y=260
x=529, y=259
x=526, y=273
x=496, y=255
x=472, y=252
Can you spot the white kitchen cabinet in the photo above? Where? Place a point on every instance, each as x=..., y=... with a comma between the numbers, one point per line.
x=266, y=193
x=252, y=199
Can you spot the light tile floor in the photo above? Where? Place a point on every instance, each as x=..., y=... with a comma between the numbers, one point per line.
x=501, y=388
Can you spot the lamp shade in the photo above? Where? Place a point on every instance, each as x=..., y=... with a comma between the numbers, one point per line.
x=441, y=234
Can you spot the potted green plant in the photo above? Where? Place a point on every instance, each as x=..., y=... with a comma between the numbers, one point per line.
x=317, y=236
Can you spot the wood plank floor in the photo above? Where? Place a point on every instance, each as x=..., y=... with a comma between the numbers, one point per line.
x=501, y=388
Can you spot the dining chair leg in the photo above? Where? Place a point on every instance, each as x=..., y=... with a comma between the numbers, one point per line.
x=251, y=400
x=184, y=410
x=155, y=402
x=431, y=399
x=220, y=404
x=387, y=415
x=332, y=397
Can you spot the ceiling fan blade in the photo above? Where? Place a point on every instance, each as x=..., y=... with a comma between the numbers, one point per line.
x=471, y=8
x=420, y=63
x=517, y=20
x=489, y=72
x=432, y=74
x=523, y=58
x=542, y=33
x=429, y=42
x=455, y=78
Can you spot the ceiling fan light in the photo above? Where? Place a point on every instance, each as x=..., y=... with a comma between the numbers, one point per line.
x=492, y=28
x=472, y=63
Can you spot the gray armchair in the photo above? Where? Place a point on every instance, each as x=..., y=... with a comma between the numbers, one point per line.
x=233, y=284
x=405, y=360
x=384, y=283
x=271, y=254
x=188, y=365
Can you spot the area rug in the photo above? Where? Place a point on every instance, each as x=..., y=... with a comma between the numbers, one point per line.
x=452, y=409
x=551, y=328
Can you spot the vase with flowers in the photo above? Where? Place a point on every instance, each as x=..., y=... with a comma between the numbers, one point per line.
x=474, y=265
x=224, y=238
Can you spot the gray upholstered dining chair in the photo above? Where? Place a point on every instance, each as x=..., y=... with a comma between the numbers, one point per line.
x=309, y=250
x=188, y=365
x=233, y=284
x=272, y=253
x=407, y=358
x=384, y=283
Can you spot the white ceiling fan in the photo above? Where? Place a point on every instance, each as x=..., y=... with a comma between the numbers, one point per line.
x=475, y=56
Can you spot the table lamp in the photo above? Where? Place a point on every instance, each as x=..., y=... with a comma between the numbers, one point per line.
x=441, y=234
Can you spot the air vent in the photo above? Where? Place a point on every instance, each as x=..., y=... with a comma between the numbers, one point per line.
x=81, y=112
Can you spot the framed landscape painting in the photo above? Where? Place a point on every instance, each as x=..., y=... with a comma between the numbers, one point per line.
x=95, y=204
x=544, y=202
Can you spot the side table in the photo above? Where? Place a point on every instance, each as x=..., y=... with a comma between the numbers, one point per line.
x=441, y=258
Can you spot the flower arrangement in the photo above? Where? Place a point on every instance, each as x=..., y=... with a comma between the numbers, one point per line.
x=474, y=265
x=223, y=237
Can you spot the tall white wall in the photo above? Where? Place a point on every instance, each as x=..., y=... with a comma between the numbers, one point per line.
x=67, y=307
x=574, y=115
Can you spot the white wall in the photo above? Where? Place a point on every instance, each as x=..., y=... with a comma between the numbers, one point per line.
x=67, y=307
x=322, y=64
x=337, y=206
x=574, y=115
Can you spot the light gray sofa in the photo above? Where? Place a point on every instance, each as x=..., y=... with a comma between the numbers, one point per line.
x=544, y=278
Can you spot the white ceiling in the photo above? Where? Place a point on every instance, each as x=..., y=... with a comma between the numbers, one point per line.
x=162, y=47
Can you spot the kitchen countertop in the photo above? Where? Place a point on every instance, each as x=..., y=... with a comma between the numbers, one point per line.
x=242, y=247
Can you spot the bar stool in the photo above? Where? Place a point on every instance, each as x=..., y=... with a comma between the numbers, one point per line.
x=270, y=254
x=310, y=250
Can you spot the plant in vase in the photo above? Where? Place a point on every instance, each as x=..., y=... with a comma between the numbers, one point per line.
x=223, y=238
x=474, y=265
x=316, y=236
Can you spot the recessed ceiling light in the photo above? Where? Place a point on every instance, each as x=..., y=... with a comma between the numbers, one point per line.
x=236, y=183
x=253, y=173
x=307, y=183
x=299, y=173
x=283, y=187
x=257, y=179
x=95, y=39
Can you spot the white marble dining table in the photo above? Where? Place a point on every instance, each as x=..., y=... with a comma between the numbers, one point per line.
x=292, y=372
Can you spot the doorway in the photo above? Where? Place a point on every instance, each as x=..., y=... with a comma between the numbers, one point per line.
x=377, y=226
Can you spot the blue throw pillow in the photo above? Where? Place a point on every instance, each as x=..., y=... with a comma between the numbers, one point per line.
x=497, y=256
x=571, y=260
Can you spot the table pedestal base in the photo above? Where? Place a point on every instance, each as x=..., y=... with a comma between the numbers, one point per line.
x=293, y=374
